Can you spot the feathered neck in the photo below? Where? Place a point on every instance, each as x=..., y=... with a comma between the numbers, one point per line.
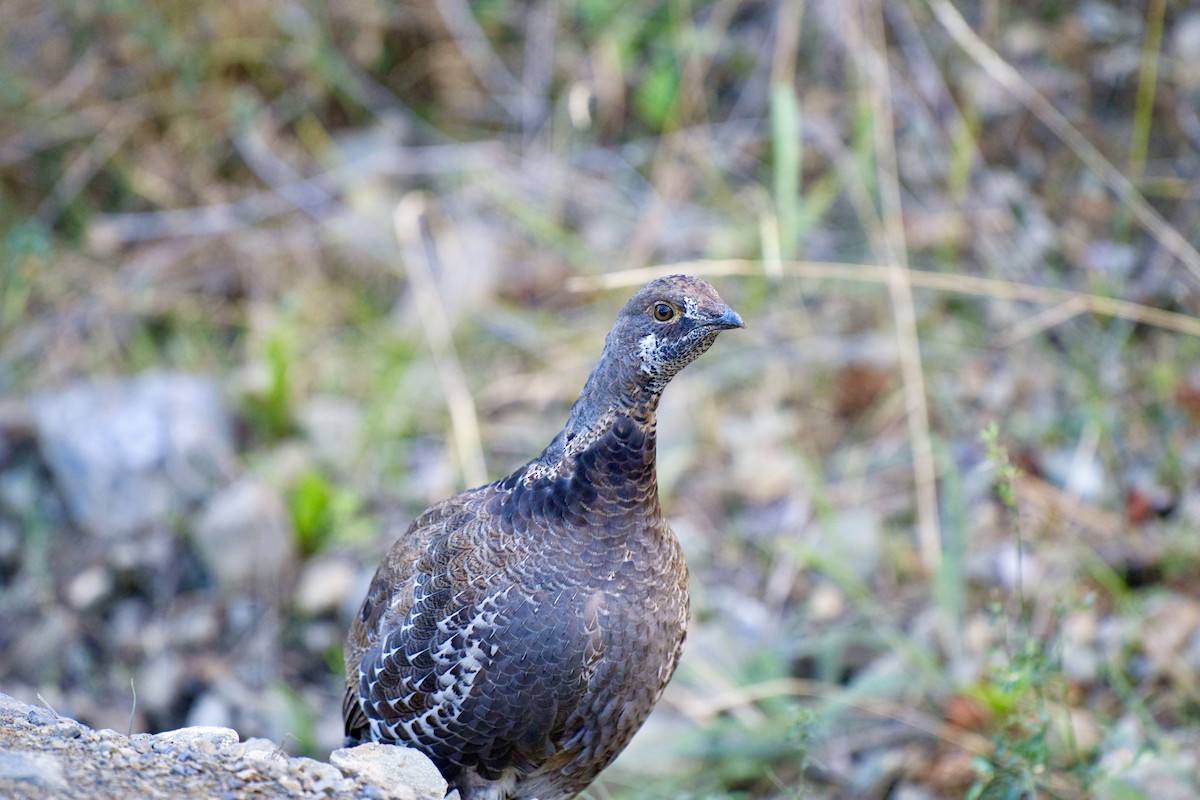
x=616, y=395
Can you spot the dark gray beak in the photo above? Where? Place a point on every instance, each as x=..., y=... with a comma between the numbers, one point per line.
x=727, y=320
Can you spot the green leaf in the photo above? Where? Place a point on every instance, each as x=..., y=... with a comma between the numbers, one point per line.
x=312, y=512
x=655, y=97
x=785, y=146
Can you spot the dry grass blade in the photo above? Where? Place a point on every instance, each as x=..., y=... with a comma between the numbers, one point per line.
x=1044, y=320
x=900, y=290
x=109, y=231
x=1008, y=77
x=940, y=281
x=488, y=67
x=1044, y=503
x=86, y=164
x=538, y=75
x=414, y=239
x=46, y=703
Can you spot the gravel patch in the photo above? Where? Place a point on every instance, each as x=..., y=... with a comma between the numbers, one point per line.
x=43, y=755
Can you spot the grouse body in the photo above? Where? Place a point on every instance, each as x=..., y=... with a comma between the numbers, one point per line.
x=520, y=633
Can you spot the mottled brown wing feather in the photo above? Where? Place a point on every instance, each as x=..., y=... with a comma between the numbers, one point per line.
x=494, y=649
x=387, y=603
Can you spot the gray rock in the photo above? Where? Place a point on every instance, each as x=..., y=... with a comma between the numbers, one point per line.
x=10, y=546
x=209, y=711
x=19, y=490
x=37, y=769
x=131, y=454
x=129, y=624
x=909, y=791
x=324, y=584
x=159, y=682
x=186, y=737
x=391, y=767
x=245, y=536
x=194, y=627
x=1161, y=775
x=259, y=749
x=1104, y=23
x=319, y=774
x=259, y=743
x=857, y=541
x=68, y=729
x=143, y=743
x=1004, y=565
x=1080, y=663
x=1081, y=473
x=36, y=715
x=1185, y=48
x=89, y=587
x=42, y=643
x=46, y=755
x=334, y=426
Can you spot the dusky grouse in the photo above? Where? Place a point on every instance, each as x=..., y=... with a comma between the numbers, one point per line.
x=520, y=633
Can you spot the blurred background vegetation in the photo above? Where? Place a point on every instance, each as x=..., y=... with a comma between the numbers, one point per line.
x=940, y=499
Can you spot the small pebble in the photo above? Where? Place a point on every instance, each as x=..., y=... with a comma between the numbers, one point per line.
x=259, y=748
x=40, y=716
x=291, y=784
x=89, y=587
x=391, y=766
x=68, y=729
x=219, y=737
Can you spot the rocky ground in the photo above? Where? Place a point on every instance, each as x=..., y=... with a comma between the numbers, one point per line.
x=46, y=755
x=145, y=569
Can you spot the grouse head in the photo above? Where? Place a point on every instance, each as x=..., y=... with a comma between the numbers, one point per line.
x=664, y=327
x=668, y=324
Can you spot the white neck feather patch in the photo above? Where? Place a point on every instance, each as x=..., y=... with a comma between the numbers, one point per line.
x=649, y=350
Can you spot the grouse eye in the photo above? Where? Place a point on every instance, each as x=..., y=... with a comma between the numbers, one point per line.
x=664, y=312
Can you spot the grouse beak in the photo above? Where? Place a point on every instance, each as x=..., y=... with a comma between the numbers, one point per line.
x=729, y=319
